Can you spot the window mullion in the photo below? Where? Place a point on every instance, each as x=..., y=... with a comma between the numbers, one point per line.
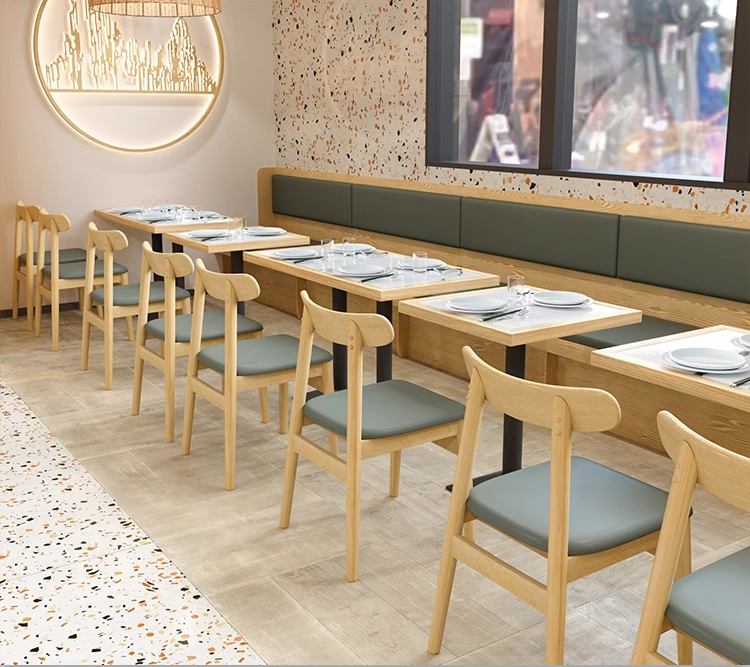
x=737, y=162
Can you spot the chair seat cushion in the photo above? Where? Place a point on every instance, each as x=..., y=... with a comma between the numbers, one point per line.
x=607, y=508
x=262, y=355
x=650, y=327
x=712, y=605
x=66, y=255
x=213, y=326
x=389, y=408
x=77, y=270
x=130, y=295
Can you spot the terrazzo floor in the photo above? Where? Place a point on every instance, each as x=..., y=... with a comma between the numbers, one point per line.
x=80, y=582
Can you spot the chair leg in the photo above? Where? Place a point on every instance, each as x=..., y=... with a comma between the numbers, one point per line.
x=80, y=298
x=109, y=353
x=395, y=473
x=187, y=423
x=290, y=476
x=169, y=388
x=684, y=567
x=265, y=416
x=55, y=320
x=137, y=381
x=470, y=531
x=353, y=484
x=443, y=595
x=16, y=290
x=37, y=314
x=230, y=439
x=29, y=303
x=283, y=407
x=557, y=588
x=129, y=325
x=85, y=340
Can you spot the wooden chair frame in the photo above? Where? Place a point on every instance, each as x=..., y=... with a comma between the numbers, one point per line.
x=723, y=473
x=357, y=331
x=108, y=242
x=54, y=225
x=231, y=288
x=563, y=410
x=26, y=218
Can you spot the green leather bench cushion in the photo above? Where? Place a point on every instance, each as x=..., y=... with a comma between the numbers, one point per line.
x=213, y=326
x=713, y=605
x=422, y=216
x=130, y=295
x=389, y=408
x=578, y=240
x=607, y=508
x=77, y=270
x=325, y=201
x=262, y=355
x=693, y=258
x=649, y=327
x=66, y=255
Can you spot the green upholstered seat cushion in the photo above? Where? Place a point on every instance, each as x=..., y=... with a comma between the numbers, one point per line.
x=66, y=255
x=213, y=326
x=130, y=295
x=607, y=508
x=570, y=239
x=649, y=327
x=311, y=198
x=694, y=258
x=423, y=216
x=389, y=408
x=256, y=356
x=712, y=605
x=77, y=270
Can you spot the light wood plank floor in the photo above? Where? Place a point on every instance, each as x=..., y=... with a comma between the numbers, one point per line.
x=284, y=591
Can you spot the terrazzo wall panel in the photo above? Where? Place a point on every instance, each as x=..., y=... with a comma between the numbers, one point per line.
x=350, y=98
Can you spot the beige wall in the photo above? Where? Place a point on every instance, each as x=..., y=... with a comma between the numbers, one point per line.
x=42, y=161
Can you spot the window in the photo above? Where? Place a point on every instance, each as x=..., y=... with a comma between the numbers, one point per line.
x=630, y=89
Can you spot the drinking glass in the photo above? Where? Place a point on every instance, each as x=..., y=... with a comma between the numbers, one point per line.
x=516, y=291
x=234, y=225
x=347, y=246
x=326, y=249
x=419, y=261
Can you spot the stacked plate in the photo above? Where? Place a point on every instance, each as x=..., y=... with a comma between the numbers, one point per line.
x=124, y=210
x=362, y=270
x=298, y=253
x=706, y=360
x=265, y=231
x=561, y=299
x=356, y=247
x=477, y=305
x=208, y=234
x=428, y=263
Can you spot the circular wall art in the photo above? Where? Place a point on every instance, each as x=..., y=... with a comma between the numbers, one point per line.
x=133, y=84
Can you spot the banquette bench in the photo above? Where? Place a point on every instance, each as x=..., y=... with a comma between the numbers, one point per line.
x=681, y=273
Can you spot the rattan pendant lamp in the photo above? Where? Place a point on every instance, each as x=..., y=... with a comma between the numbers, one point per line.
x=157, y=8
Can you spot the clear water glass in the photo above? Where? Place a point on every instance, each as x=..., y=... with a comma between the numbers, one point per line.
x=516, y=291
x=348, y=247
x=326, y=249
x=419, y=262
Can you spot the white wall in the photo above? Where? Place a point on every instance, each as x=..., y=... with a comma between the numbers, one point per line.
x=44, y=162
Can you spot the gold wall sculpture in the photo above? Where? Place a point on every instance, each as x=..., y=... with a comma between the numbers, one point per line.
x=79, y=52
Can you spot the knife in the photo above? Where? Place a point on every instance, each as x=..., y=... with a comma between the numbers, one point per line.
x=385, y=275
x=498, y=315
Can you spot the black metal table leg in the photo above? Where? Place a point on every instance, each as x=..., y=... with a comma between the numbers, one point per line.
x=385, y=353
x=339, y=351
x=237, y=264
x=157, y=243
x=177, y=247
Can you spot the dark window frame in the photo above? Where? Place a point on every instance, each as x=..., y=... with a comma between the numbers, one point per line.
x=557, y=103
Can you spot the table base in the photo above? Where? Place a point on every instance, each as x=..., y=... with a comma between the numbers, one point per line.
x=237, y=265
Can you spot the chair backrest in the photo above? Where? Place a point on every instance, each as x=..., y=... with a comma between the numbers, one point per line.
x=229, y=288
x=108, y=242
x=23, y=242
x=170, y=267
x=50, y=225
x=355, y=330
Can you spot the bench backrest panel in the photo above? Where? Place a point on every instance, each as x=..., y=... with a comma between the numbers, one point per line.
x=422, y=216
x=704, y=259
x=312, y=198
x=566, y=238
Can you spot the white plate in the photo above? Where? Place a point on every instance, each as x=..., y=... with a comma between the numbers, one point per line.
x=358, y=247
x=155, y=217
x=476, y=304
x=560, y=298
x=743, y=341
x=127, y=209
x=207, y=214
x=586, y=303
x=707, y=359
x=265, y=231
x=298, y=253
x=206, y=233
x=667, y=359
x=429, y=263
x=362, y=270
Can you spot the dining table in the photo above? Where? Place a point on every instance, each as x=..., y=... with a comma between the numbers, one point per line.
x=395, y=284
x=533, y=324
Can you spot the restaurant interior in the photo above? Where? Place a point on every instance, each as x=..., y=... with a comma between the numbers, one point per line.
x=375, y=332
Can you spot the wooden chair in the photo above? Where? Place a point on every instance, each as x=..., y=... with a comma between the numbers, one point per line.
x=113, y=302
x=172, y=330
x=381, y=418
x=578, y=514
x=710, y=606
x=243, y=365
x=55, y=276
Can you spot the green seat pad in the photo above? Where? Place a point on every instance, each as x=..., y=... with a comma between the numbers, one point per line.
x=389, y=408
x=607, y=508
x=130, y=295
x=649, y=327
x=712, y=605
x=262, y=355
x=213, y=326
x=77, y=270
x=66, y=255
x=312, y=198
